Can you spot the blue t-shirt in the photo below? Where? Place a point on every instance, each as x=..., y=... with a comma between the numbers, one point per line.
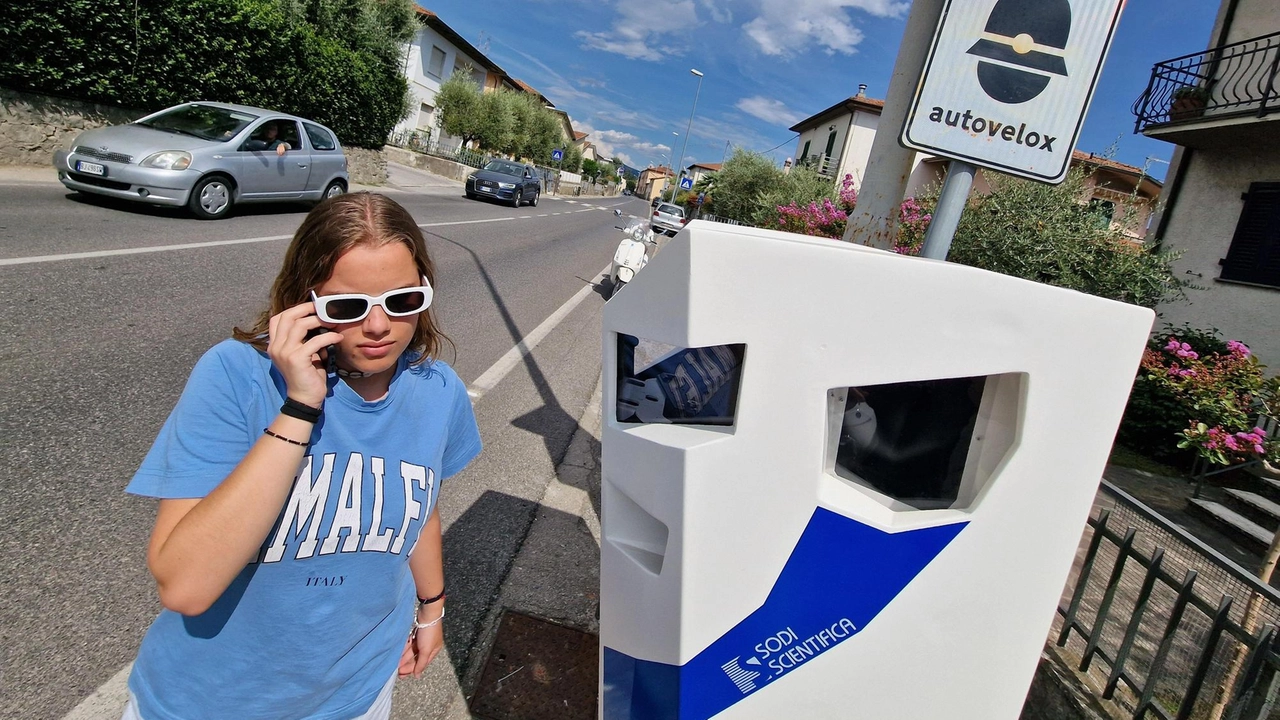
x=315, y=626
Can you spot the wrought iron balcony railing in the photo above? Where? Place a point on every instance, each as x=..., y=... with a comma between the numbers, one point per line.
x=1230, y=80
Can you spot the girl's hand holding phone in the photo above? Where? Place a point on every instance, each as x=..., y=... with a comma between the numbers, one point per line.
x=297, y=356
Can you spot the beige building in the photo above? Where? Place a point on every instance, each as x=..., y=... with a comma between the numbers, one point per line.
x=1126, y=194
x=1221, y=204
x=653, y=181
x=697, y=171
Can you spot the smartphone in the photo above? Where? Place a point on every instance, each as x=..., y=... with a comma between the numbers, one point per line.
x=330, y=352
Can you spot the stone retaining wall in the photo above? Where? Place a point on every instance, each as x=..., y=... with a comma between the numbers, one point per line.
x=33, y=126
x=366, y=167
x=430, y=163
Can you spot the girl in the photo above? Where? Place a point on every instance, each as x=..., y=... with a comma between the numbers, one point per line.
x=296, y=548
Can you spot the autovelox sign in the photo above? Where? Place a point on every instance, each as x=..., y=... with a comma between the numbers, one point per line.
x=1007, y=83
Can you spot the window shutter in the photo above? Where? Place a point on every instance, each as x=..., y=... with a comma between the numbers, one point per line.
x=1254, y=255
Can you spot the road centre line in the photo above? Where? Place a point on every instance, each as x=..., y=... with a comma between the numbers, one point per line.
x=494, y=375
x=192, y=246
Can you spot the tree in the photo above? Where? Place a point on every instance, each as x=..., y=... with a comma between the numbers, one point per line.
x=147, y=56
x=741, y=183
x=608, y=172
x=458, y=101
x=495, y=122
x=573, y=158
x=590, y=168
x=1049, y=234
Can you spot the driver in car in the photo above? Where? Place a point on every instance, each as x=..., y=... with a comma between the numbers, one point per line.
x=267, y=138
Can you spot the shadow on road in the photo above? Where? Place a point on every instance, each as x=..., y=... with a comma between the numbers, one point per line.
x=284, y=207
x=495, y=526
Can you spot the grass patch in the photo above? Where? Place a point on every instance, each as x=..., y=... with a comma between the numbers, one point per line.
x=1124, y=457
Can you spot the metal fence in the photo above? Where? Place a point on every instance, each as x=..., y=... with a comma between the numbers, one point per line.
x=421, y=141
x=1164, y=624
x=1240, y=78
x=717, y=218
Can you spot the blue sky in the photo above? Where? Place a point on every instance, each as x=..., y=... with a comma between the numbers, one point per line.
x=621, y=68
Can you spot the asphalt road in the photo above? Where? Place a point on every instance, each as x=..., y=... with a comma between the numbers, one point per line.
x=96, y=350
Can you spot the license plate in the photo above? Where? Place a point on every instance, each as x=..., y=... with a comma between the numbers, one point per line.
x=486, y=189
x=91, y=168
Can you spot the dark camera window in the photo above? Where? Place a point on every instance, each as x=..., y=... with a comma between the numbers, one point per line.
x=910, y=440
x=663, y=384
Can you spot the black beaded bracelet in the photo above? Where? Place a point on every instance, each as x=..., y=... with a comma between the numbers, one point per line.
x=295, y=409
x=428, y=601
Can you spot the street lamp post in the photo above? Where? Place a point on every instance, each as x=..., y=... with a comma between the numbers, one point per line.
x=685, y=145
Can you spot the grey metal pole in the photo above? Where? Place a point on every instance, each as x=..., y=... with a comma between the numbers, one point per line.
x=685, y=146
x=955, y=194
x=874, y=221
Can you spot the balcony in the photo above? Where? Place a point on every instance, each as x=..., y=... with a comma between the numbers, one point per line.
x=823, y=164
x=1220, y=97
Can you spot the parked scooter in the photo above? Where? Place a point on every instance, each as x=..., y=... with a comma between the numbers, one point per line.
x=631, y=255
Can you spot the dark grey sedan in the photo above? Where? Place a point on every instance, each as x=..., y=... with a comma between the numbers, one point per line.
x=511, y=182
x=208, y=157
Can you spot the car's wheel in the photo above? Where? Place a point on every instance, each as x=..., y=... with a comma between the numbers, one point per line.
x=211, y=198
x=334, y=189
x=516, y=196
x=534, y=201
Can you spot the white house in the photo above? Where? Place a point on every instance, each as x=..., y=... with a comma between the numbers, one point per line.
x=434, y=53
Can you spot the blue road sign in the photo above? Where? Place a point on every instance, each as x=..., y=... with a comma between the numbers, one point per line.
x=557, y=155
x=686, y=183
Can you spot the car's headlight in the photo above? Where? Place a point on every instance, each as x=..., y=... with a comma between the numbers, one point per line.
x=168, y=160
x=507, y=186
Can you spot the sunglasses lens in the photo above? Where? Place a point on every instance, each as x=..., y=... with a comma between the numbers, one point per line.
x=346, y=309
x=406, y=302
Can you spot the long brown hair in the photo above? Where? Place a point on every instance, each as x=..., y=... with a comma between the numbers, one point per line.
x=332, y=228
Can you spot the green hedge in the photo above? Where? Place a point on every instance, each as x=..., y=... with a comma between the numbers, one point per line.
x=172, y=51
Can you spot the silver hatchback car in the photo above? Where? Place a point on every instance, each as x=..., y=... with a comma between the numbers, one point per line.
x=207, y=156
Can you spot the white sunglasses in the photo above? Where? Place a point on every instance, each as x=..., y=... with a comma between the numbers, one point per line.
x=354, y=307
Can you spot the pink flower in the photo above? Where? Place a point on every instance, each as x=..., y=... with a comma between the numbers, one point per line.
x=1238, y=348
x=1259, y=449
x=1230, y=442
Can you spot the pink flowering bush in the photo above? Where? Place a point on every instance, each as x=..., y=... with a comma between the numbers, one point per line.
x=825, y=218
x=913, y=222
x=1198, y=393
x=1222, y=447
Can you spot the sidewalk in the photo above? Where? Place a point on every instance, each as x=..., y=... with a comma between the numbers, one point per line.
x=28, y=174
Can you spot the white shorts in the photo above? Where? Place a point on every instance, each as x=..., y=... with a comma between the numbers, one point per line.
x=380, y=710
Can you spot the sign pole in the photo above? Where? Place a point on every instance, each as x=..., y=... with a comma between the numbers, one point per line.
x=946, y=217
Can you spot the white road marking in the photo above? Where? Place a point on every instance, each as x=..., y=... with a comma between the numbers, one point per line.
x=107, y=702
x=491, y=377
x=191, y=246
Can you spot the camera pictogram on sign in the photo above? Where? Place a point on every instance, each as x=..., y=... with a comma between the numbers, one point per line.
x=1022, y=47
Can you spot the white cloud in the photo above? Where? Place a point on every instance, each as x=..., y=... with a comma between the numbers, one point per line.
x=616, y=136
x=784, y=27
x=719, y=12
x=638, y=31
x=769, y=110
x=619, y=144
